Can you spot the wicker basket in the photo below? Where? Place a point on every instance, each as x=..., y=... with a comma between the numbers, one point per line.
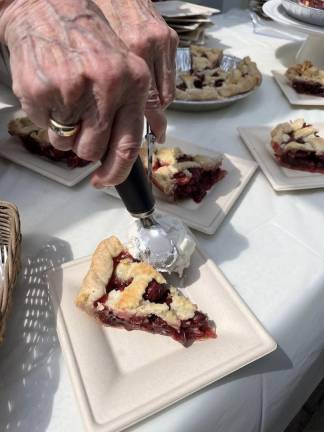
x=11, y=237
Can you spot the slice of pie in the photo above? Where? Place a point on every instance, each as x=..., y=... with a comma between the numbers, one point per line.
x=120, y=291
x=181, y=176
x=297, y=145
x=317, y=4
x=35, y=140
x=306, y=79
x=209, y=81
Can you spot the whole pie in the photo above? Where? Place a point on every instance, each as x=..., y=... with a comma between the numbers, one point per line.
x=121, y=291
x=306, y=78
x=317, y=4
x=297, y=145
x=208, y=81
x=181, y=176
x=35, y=140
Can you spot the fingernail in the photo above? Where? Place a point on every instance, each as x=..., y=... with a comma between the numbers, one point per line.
x=97, y=185
x=162, y=138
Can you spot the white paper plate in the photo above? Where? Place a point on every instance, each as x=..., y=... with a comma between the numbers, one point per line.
x=210, y=212
x=174, y=9
x=257, y=139
x=293, y=97
x=12, y=149
x=121, y=377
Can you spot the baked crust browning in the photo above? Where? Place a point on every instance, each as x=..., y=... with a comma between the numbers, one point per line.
x=120, y=291
x=207, y=81
x=101, y=269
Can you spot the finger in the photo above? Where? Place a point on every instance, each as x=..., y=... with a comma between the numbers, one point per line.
x=153, y=100
x=165, y=72
x=91, y=142
x=59, y=142
x=125, y=141
x=158, y=123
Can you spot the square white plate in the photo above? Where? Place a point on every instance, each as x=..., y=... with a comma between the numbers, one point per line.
x=257, y=139
x=293, y=97
x=12, y=149
x=210, y=212
x=122, y=377
x=175, y=9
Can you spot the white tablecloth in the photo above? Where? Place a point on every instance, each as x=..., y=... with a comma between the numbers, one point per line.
x=270, y=247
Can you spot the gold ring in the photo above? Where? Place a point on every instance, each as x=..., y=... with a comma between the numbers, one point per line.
x=63, y=130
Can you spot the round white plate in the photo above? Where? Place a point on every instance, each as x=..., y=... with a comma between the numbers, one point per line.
x=210, y=105
x=303, y=13
x=275, y=10
x=228, y=62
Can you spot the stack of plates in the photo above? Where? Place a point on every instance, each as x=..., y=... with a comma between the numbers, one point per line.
x=188, y=20
x=256, y=6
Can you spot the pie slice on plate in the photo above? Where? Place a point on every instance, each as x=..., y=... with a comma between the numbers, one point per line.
x=306, y=79
x=120, y=291
x=35, y=140
x=180, y=175
x=297, y=145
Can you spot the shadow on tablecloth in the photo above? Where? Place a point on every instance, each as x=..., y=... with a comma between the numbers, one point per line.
x=29, y=357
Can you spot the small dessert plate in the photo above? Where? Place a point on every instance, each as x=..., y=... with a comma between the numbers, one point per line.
x=257, y=140
x=13, y=150
x=177, y=9
x=293, y=97
x=122, y=377
x=210, y=212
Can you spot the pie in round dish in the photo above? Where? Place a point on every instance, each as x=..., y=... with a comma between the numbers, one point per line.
x=208, y=81
x=306, y=78
x=120, y=291
x=297, y=145
x=35, y=140
x=183, y=176
x=317, y=4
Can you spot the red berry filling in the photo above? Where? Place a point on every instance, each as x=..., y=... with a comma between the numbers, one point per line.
x=197, y=185
x=312, y=88
x=317, y=4
x=50, y=152
x=299, y=159
x=198, y=327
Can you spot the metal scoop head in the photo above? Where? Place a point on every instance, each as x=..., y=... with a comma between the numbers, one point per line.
x=153, y=245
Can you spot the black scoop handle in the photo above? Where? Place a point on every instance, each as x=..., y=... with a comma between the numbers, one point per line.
x=136, y=192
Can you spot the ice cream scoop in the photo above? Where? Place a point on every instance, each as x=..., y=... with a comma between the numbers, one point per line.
x=152, y=242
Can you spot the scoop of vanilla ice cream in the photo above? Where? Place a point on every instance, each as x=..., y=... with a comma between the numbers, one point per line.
x=176, y=232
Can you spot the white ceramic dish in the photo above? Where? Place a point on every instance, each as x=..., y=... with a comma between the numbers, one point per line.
x=257, y=139
x=176, y=9
x=228, y=62
x=303, y=13
x=293, y=97
x=275, y=10
x=121, y=377
x=12, y=150
x=209, y=105
x=209, y=214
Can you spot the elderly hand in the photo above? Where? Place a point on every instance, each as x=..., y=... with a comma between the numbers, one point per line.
x=146, y=34
x=68, y=64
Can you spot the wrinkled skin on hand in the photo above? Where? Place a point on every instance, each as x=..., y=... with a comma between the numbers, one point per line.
x=146, y=34
x=67, y=63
